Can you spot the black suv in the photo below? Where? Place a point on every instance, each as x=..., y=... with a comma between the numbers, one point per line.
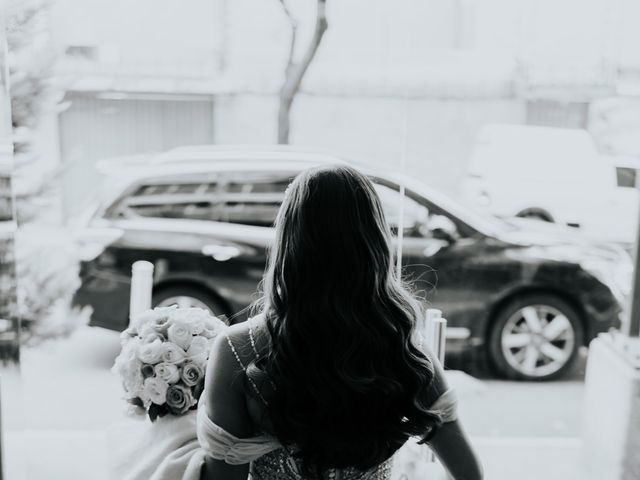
x=203, y=217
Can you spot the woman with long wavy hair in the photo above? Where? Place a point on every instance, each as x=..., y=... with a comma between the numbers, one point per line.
x=327, y=381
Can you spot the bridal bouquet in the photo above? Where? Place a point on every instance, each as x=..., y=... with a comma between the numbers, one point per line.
x=164, y=357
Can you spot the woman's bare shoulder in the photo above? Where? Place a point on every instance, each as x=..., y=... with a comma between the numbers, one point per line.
x=248, y=338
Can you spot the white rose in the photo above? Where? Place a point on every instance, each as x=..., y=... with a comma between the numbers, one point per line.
x=192, y=374
x=206, y=333
x=214, y=323
x=199, y=345
x=172, y=353
x=127, y=355
x=167, y=372
x=194, y=318
x=212, y=327
x=142, y=319
x=196, y=325
x=198, y=352
x=152, y=337
x=161, y=318
x=210, y=332
x=129, y=350
x=156, y=389
x=132, y=378
x=150, y=352
x=126, y=335
x=180, y=334
x=146, y=329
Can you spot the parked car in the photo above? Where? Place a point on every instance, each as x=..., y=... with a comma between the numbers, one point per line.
x=555, y=175
x=204, y=218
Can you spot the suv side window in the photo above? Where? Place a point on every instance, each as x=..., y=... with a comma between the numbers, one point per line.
x=253, y=198
x=189, y=198
x=418, y=220
x=415, y=215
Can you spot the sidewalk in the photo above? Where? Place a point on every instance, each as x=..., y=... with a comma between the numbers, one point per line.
x=531, y=458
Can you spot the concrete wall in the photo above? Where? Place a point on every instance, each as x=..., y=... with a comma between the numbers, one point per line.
x=439, y=134
x=140, y=33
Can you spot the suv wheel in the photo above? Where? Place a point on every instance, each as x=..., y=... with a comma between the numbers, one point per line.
x=535, y=337
x=187, y=297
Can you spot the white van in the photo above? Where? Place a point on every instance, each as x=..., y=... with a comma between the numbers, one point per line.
x=556, y=175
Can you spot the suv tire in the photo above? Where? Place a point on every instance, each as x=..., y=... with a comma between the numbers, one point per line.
x=535, y=337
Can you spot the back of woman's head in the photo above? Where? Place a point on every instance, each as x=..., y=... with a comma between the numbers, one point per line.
x=350, y=384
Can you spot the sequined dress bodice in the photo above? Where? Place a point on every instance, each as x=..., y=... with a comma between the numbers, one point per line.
x=280, y=465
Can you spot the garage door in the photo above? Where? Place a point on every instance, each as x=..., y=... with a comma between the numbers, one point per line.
x=97, y=126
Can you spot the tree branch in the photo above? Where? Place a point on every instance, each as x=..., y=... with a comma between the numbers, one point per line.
x=293, y=25
x=295, y=72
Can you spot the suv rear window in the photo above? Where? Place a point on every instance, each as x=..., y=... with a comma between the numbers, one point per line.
x=253, y=198
x=247, y=198
x=192, y=200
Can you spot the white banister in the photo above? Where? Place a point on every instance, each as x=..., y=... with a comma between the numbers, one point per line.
x=434, y=333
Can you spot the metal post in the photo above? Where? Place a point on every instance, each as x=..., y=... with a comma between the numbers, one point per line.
x=141, y=288
x=434, y=335
x=633, y=325
x=437, y=336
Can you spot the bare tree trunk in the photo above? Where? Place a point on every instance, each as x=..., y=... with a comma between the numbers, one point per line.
x=294, y=72
x=9, y=321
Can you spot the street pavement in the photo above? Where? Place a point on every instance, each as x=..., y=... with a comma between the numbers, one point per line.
x=56, y=412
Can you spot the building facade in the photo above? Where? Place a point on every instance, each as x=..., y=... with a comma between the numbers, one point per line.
x=150, y=75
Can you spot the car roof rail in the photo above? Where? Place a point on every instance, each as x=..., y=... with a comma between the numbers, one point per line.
x=211, y=153
x=207, y=154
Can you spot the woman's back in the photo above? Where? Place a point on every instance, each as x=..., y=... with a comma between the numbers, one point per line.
x=328, y=381
x=248, y=342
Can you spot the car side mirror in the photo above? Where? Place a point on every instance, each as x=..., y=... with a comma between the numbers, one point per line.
x=441, y=234
x=442, y=228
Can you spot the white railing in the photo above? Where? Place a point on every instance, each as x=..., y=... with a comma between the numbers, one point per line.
x=141, y=288
x=434, y=337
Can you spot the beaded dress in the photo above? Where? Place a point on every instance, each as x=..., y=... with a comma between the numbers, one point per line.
x=271, y=460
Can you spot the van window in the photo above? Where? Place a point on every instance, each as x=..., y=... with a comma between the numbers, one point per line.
x=6, y=205
x=253, y=198
x=626, y=177
x=191, y=200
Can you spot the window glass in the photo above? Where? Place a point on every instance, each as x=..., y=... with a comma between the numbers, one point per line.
x=626, y=177
x=190, y=200
x=6, y=209
x=253, y=198
x=415, y=215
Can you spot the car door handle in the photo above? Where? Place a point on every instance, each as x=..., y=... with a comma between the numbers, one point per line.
x=433, y=247
x=221, y=253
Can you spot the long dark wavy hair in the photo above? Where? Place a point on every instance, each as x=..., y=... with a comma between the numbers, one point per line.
x=350, y=383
